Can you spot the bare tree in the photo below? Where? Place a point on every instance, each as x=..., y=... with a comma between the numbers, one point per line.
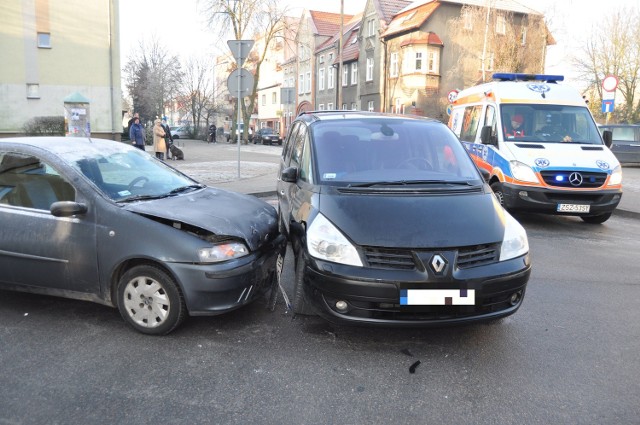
x=509, y=43
x=263, y=20
x=197, y=92
x=614, y=49
x=152, y=78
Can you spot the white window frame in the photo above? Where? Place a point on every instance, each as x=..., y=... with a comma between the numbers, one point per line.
x=264, y=100
x=354, y=73
x=301, y=84
x=331, y=79
x=321, y=107
x=330, y=106
x=399, y=105
x=33, y=91
x=307, y=82
x=274, y=98
x=354, y=107
x=321, y=59
x=501, y=24
x=369, y=76
x=419, y=62
x=433, y=60
x=44, y=40
x=393, y=67
x=371, y=27
x=345, y=75
x=370, y=106
x=321, y=79
x=467, y=19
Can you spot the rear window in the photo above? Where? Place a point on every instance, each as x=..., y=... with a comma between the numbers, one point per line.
x=367, y=150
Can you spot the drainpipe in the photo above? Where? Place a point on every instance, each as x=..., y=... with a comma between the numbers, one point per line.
x=112, y=14
x=383, y=106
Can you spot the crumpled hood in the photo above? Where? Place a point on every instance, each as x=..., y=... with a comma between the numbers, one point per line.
x=565, y=156
x=416, y=221
x=217, y=210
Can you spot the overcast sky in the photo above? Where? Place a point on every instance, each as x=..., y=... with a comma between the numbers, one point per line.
x=179, y=26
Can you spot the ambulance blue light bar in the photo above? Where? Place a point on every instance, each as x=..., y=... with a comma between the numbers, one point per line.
x=528, y=77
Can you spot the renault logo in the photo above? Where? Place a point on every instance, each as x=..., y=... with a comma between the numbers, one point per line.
x=575, y=179
x=438, y=264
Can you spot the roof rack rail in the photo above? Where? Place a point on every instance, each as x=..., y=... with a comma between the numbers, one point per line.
x=333, y=111
x=527, y=77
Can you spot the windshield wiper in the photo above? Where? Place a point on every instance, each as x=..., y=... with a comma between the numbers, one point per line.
x=412, y=182
x=134, y=198
x=185, y=188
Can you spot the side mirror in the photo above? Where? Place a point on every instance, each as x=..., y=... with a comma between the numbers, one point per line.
x=68, y=209
x=485, y=174
x=485, y=136
x=289, y=175
x=607, y=135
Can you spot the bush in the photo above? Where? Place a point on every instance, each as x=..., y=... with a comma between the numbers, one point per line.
x=45, y=126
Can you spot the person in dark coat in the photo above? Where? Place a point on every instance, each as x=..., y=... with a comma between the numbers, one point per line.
x=168, y=138
x=136, y=134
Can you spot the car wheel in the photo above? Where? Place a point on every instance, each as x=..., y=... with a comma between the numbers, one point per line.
x=150, y=301
x=595, y=219
x=497, y=190
x=300, y=304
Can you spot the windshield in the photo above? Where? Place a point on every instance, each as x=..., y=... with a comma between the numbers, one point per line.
x=389, y=150
x=548, y=123
x=128, y=173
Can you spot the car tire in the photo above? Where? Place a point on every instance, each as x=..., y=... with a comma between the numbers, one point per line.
x=150, y=301
x=497, y=191
x=299, y=301
x=595, y=219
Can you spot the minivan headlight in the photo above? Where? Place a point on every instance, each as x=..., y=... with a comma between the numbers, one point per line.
x=222, y=252
x=324, y=241
x=514, y=241
x=616, y=176
x=523, y=172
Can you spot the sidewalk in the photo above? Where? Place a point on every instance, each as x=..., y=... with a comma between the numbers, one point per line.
x=217, y=165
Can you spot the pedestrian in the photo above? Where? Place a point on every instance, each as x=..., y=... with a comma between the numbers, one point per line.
x=159, y=145
x=212, y=133
x=136, y=134
x=168, y=138
x=130, y=123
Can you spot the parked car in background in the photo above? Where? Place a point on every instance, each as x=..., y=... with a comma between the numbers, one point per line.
x=391, y=223
x=102, y=221
x=267, y=136
x=626, y=141
x=183, y=132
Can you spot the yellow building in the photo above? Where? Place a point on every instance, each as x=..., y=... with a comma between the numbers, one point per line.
x=53, y=49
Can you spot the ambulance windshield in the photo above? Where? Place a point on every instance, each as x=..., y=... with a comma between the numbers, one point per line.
x=549, y=123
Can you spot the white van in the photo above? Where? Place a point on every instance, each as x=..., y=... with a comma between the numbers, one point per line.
x=540, y=145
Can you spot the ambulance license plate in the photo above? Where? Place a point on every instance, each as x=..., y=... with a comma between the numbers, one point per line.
x=437, y=297
x=576, y=208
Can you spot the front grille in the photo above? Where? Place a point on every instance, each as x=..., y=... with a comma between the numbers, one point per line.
x=389, y=259
x=561, y=178
x=479, y=255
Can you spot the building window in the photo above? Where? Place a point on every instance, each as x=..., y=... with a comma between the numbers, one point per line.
x=354, y=73
x=321, y=79
x=369, y=69
x=398, y=106
x=370, y=106
x=523, y=39
x=264, y=100
x=433, y=64
x=393, y=72
x=331, y=78
x=330, y=106
x=371, y=27
x=44, y=40
x=274, y=98
x=418, y=61
x=321, y=107
x=467, y=19
x=330, y=58
x=33, y=91
x=353, y=106
x=307, y=82
x=345, y=75
x=501, y=25
x=321, y=60
x=301, y=84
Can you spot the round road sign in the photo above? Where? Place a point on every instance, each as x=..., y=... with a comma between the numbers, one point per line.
x=610, y=83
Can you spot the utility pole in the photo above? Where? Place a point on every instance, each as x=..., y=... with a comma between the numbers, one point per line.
x=340, y=64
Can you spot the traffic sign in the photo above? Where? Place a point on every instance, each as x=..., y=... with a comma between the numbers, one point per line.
x=240, y=83
x=607, y=106
x=452, y=96
x=610, y=83
x=240, y=50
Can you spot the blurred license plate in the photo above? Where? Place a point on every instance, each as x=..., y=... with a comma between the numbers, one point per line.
x=573, y=208
x=437, y=297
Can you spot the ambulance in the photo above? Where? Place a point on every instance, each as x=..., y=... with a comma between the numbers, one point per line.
x=540, y=145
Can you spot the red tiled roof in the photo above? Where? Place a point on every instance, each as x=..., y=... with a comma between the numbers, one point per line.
x=410, y=19
x=428, y=38
x=327, y=23
x=350, y=26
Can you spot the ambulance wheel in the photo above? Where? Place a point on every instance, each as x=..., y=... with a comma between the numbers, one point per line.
x=497, y=190
x=595, y=219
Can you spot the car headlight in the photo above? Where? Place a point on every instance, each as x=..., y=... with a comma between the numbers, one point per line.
x=222, y=252
x=616, y=176
x=523, y=172
x=514, y=241
x=325, y=242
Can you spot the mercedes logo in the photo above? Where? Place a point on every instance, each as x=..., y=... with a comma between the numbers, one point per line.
x=575, y=179
x=438, y=264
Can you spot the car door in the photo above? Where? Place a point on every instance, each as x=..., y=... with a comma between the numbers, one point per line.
x=284, y=188
x=626, y=143
x=37, y=248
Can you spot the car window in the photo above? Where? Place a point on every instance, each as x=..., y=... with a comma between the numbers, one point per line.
x=306, y=170
x=26, y=181
x=623, y=134
x=298, y=144
x=288, y=146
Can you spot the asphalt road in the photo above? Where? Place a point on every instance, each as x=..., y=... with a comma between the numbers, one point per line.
x=568, y=356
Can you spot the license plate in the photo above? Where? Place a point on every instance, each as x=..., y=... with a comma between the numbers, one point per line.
x=437, y=297
x=573, y=208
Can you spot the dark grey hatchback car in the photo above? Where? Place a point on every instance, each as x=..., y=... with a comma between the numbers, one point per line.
x=391, y=223
x=103, y=221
